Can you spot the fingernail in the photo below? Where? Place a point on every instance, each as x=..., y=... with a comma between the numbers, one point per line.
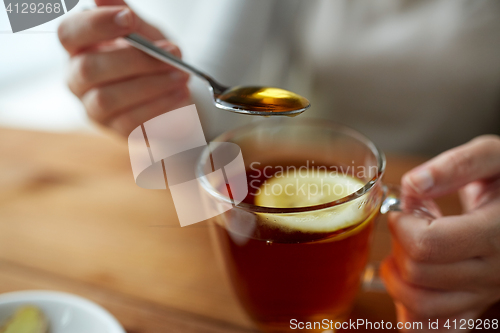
x=421, y=181
x=124, y=18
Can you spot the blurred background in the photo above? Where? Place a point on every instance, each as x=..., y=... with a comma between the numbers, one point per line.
x=33, y=93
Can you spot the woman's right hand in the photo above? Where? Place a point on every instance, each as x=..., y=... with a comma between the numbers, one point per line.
x=120, y=86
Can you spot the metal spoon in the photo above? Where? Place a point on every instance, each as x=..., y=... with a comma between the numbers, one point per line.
x=261, y=101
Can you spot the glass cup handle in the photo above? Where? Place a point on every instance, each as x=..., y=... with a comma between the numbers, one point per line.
x=393, y=202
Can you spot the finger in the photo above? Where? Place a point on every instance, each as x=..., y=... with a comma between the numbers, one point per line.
x=461, y=275
x=104, y=102
x=145, y=29
x=128, y=120
x=87, y=28
x=425, y=303
x=478, y=193
x=470, y=195
x=411, y=322
x=448, y=172
x=444, y=240
x=92, y=69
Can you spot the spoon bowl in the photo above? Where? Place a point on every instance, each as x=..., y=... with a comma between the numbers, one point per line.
x=264, y=101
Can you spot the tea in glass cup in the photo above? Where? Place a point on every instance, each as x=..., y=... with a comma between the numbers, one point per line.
x=295, y=248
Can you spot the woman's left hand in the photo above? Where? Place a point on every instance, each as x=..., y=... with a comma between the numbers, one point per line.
x=449, y=268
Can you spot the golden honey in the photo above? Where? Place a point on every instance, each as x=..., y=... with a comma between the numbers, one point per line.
x=263, y=99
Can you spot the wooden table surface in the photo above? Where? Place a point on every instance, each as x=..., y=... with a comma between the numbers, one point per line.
x=72, y=219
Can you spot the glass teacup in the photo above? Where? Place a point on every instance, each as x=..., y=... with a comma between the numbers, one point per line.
x=297, y=256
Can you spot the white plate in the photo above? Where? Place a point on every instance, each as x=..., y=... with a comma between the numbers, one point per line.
x=66, y=313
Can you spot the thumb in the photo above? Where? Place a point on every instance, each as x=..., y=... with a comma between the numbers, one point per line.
x=448, y=172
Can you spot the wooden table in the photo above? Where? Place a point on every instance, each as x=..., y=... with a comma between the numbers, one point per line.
x=72, y=219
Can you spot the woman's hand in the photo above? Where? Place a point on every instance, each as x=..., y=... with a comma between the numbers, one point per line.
x=120, y=86
x=449, y=268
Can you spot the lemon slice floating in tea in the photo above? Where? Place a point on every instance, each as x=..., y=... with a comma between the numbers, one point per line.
x=314, y=187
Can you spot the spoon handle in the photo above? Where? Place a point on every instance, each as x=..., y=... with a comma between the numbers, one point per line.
x=148, y=47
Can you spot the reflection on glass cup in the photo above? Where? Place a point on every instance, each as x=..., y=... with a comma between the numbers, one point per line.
x=302, y=260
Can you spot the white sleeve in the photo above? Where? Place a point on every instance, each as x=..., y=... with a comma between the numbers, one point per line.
x=226, y=37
